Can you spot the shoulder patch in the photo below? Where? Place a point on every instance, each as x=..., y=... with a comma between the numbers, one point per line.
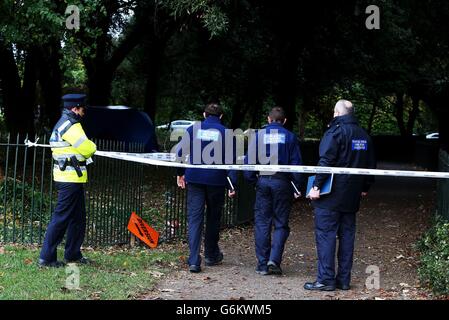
x=208, y=135
x=358, y=145
x=274, y=138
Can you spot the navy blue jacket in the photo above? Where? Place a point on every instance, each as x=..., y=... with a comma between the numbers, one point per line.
x=345, y=144
x=287, y=148
x=204, y=134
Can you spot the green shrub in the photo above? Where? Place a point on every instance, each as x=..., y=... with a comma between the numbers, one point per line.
x=434, y=250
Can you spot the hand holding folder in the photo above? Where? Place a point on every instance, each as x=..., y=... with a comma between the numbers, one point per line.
x=326, y=187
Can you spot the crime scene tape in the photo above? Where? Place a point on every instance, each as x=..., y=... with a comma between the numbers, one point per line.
x=168, y=160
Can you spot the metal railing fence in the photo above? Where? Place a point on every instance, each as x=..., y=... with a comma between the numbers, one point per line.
x=27, y=195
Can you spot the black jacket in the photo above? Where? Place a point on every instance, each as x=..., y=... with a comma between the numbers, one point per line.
x=345, y=144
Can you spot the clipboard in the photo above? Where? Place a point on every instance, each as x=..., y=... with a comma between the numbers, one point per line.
x=325, y=189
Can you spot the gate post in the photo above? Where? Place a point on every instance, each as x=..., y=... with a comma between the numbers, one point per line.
x=443, y=186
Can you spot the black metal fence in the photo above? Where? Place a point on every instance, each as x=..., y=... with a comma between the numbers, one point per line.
x=237, y=210
x=443, y=186
x=115, y=189
x=27, y=196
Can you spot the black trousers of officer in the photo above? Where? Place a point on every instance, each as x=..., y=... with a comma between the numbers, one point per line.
x=69, y=215
x=274, y=198
x=199, y=195
x=329, y=225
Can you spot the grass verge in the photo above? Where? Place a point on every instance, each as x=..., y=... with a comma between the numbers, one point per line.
x=117, y=274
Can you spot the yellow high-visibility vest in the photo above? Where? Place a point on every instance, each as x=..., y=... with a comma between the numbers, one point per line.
x=68, y=139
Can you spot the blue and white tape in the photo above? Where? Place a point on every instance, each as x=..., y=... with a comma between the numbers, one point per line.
x=168, y=160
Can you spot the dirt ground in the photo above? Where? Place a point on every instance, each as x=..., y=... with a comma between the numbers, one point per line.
x=393, y=216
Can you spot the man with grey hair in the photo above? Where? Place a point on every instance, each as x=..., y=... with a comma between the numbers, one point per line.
x=345, y=144
x=343, y=107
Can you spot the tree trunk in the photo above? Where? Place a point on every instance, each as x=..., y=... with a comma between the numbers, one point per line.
x=287, y=90
x=28, y=101
x=99, y=83
x=255, y=116
x=247, y=101
x=50, y=78
x=237, y=114
x=19, y=101
x=438, y=103
x=399, y=113
x=10, y=85
x=302, y=114
x=444, y=128
x=413, y=115
x=154, y=50
x=151, y=93
x=371, y=117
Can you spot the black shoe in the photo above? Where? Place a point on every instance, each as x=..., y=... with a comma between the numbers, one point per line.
x=194, y=268
x=273, y=268
x=214, y=262
x=82, y=260
x=318, y=286
x=53, y=264
x=343, y=286
x=262, y=271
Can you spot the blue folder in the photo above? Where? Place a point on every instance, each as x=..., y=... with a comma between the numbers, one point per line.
x=325, y=189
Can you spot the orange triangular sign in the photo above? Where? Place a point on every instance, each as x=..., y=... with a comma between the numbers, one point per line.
x=143, y=231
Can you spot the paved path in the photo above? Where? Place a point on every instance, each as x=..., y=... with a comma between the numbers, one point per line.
x=390, y=221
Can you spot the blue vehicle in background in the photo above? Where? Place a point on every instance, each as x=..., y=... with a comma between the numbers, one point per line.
x=121, y=123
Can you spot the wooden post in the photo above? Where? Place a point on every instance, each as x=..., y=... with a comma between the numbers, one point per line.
x=133, y=241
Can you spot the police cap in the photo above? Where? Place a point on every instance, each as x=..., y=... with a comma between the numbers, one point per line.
x=74, y=100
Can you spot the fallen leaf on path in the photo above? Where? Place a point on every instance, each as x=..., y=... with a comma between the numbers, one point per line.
x=156, y=274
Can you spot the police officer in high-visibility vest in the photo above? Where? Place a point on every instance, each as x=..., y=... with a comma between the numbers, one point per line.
x=275, y=191
x=345, y=144
x=71, y=149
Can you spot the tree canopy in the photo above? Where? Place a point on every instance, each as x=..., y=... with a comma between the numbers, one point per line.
x=170, y=57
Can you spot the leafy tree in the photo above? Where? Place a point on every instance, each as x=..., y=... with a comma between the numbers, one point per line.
x=29, y=52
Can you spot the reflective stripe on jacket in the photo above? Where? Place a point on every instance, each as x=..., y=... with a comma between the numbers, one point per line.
x=68, y=139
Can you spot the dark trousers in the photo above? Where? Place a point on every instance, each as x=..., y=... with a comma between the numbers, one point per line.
x=329, y=225
x=199, y=195
x=274, y=199
x=69, y=215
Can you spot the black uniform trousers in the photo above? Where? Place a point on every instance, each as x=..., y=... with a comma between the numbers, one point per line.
x=330, y=226
x=274, y=199
x=199, y=195
x=69, y=215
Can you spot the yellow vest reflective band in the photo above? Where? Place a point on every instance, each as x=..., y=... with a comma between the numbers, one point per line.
x=69, y=140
